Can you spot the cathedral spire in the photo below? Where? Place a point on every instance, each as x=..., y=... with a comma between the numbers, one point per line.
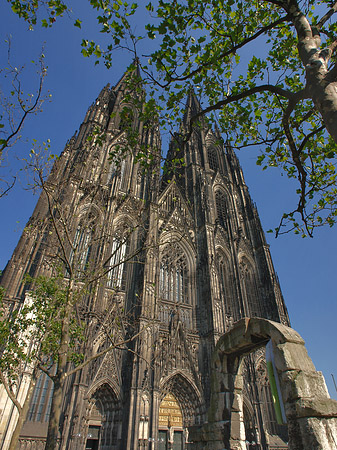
x=192, y=107
x=132, y=75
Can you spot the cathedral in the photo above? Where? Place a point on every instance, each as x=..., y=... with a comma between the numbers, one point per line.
x=176, y=257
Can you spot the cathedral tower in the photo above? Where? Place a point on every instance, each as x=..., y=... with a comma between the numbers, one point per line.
x=180, y=258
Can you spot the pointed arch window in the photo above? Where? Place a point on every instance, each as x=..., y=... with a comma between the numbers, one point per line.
x=117, y=263
x=39, y=409
x=173, y=276
x=82, y=244
x=227, y=288
x=213, y=160
x=221, y=208
x=249, y=288
x=111, y=172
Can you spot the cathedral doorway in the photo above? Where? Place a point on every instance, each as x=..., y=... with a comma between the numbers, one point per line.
x=170, y=434
x=93, y=437
x=103, y=420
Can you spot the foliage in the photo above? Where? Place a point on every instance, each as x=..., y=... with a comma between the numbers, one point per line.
x=30, y=334
x=29, y=9
x=18, y=105
x=264, y=70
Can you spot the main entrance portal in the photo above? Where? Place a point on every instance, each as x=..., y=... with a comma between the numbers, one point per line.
x=170, y=433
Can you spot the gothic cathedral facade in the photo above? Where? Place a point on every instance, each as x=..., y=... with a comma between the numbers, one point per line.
x=183, y=257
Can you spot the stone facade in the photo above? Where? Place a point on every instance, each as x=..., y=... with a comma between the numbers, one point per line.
x=189, y=260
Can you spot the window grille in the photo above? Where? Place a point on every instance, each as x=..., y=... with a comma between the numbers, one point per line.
x=173, y=277
x=212, y=155
x=221, y=208
x=39, y=409
x=249, y=287
x=80, y=253
x=232, y=307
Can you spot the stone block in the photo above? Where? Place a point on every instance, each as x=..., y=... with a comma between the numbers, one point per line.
x=316, y=408
x=318, y=434
x=278, y=332
x=236, y=432
x=296, y=384
x=239, y=382
x=292, y=356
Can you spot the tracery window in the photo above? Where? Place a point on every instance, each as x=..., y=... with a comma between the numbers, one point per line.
x=174, y=276
x=249, y=288
x=117, y=264
x=213, y=161
x=39, y=409
x=111, y=171
x=82, y=244
x=232, y=306
x=221, y=208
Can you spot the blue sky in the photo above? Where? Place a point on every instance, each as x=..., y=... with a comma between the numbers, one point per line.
x=306, y=267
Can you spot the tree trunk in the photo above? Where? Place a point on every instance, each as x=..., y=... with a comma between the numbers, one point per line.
x=55, y=415
x=321, y=83
x=22, y=414
x=60, y=376
x=324, y=96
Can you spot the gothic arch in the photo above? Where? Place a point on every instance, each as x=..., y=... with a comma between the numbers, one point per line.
x=176, y=271
x=172, y=236
x=223, y=207
x=302, y=389
x=228, y=293
x=111, y=384
x=213, y=158
x=84, y=244
x=89, y=213
x=87, y=209
x=130, y=116
x=213, y=150
x=183, y=388
x=117, y=250
x=144, y=419
x=123, y=220
x=249, y=285
x=103, y=417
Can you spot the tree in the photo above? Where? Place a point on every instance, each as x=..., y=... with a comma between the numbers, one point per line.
x=282, y=98
x=33, y=339
x=29, y=339
x=17, y=103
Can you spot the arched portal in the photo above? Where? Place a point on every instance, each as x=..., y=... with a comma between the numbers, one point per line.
x=170, y=424
x=179, y=409
x=103, y=420
x=310, y=412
